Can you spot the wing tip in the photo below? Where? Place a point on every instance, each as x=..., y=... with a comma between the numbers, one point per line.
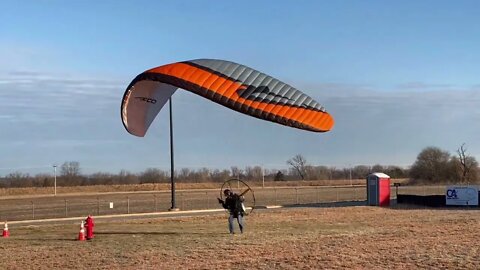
x=327, y=124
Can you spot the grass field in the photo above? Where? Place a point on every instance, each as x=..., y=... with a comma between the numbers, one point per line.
x=41, y=206
x=293, y=238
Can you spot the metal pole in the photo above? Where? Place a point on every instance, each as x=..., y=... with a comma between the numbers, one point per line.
x=351, y=183
x=55, y=179
x=66, y=208
x=155, y=202
x=208, y=200
x=183, y=200
x=172, y=167
x=263, y=177
x=275, y=190
x=318, y=194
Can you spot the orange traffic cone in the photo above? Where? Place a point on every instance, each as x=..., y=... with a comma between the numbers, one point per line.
x=6, y=232
x=81, y=234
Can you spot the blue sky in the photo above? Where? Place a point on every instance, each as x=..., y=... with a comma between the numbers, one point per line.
x=397, y=76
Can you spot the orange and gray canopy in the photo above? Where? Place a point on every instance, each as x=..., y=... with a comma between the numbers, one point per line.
x=235, y=86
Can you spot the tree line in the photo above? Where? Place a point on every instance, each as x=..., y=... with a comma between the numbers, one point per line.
x=437, y=166
x=433, y=165
x=69, y=174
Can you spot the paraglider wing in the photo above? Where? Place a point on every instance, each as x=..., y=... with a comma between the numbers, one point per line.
x=230, y=84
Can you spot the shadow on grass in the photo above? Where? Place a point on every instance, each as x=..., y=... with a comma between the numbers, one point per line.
x=401, y=207
x=393, y=205
x=106, y=233
x=426, y=205
x=155, y=233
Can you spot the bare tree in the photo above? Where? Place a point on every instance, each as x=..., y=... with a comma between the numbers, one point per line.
x=466, y=165
x=396, y=171
x=253, y=173
x=70, y=169
x=360, y=171
x=203, y=175
x=70, y=174
x=153, y=175
x=101, y=178
x=18, y=179
x=298, y=164
x=219, y=175
x=184, y=174
x=462, y=158
x=279, y=176
x=377, y=168
x=125, y=177
x=236, y=172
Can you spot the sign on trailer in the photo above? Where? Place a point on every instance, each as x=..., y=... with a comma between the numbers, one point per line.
x=458, y=195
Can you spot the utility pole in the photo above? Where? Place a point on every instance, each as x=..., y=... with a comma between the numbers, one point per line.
x=263, y=176
x=172, y=167
x=55, y=180
x=351, y=183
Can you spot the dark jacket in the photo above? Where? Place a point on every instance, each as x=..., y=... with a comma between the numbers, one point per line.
x=233, y=204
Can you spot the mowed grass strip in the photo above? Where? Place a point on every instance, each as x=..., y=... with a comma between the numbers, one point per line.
x=302, y=238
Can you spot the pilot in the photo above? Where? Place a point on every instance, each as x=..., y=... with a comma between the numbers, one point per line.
x=234, y=204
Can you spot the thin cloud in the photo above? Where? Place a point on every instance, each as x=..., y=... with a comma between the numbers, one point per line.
x=353, y=95
x=29, y=96
x=424, y=86
x=31, y=78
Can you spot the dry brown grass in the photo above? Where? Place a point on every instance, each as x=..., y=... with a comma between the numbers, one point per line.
x=314, y=238
x=8, y=192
